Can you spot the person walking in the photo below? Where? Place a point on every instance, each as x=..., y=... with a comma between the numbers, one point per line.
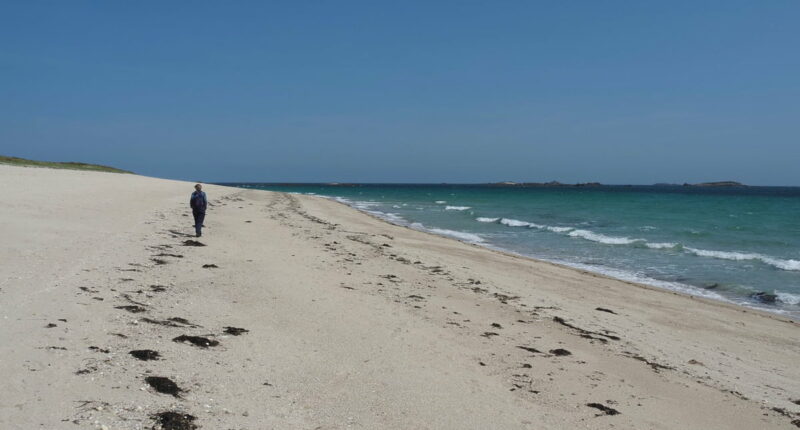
x=198, y=203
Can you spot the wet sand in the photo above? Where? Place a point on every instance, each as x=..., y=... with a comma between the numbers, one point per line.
x=299, y=312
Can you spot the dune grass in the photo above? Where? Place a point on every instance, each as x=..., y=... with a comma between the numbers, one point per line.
x=15, y=161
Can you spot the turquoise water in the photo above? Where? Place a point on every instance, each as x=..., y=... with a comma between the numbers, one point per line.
x=725, y=243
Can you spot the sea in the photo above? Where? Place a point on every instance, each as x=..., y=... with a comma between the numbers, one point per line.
x=734, y=244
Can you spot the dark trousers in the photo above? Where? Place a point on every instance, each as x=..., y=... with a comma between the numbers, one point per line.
x=198, y=221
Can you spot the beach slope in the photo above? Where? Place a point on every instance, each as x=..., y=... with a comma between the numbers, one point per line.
x=299, y=312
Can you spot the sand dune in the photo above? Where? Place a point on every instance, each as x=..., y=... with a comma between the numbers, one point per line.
x=299, y=312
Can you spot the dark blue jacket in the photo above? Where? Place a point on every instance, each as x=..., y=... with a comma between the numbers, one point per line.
x=198, y=201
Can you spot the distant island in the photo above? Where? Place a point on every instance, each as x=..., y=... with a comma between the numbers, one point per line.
x=717, y=184
x=556, y=184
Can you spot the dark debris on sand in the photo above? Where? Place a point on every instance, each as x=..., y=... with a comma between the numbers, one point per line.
x=170, y=420
x=163, y=385
x=183, y=321
x=560, y=352
x=170, y=322
x=603, y=408
x=653, y=365
x=586, y=333
x=145, y=354
x=86, y=370
x=529, y=349
x=191, y=242
x=235, y=331
x=160, y=322
x=131, y=308
x=210, y=266
x=504, y=298
x=605, y=310
x=200, y=341
x=164, y=254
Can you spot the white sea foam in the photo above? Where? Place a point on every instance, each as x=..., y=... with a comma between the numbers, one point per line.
x=514, y=222
x=627, y=275
x=660, y=245
x=366, y=204
x=601, y=238
x=460, y=235
x=789, y=299
x=469, y=237
x=791, y=265
x=457, y=208
x=517, y=223
x=724, y=255
x=394, y=218
x=338, y=199
x=441, y=202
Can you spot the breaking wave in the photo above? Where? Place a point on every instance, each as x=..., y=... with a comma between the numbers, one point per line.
x=778, y=263
x=790, y=299
x=791, y=265
x=601, y=238
x=460, y=235
x=661, y=245
x=514, y=222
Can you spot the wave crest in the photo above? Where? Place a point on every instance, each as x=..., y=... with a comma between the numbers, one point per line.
x=791, y=265
x=514, y=222
x=789, y=299
x=597, y=237
x=468, y=237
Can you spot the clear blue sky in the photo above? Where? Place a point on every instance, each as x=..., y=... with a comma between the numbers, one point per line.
x=405, y=91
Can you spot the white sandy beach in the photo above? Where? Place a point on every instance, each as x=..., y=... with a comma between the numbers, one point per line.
x=353, y=323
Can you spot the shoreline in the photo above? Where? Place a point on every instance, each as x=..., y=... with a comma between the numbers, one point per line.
x=719, y=299
x=349, y=321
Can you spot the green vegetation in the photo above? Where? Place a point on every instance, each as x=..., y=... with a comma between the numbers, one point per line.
x=14, y=161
